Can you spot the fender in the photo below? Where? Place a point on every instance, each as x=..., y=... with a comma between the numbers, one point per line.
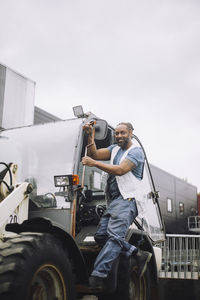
x=44, y=225
x=141, y=240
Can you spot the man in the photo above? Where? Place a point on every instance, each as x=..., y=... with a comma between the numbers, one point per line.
x=125, y=173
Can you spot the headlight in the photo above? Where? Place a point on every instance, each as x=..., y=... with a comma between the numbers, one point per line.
x=65, y=180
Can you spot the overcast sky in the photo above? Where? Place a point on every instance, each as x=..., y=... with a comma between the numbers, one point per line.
x=136, y=61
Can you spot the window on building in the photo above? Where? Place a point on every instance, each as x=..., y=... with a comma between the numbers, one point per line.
x=169, y=205
x=181, y=208
x=193, y=211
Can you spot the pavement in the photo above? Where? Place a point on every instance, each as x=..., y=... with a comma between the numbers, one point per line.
x=179, y=289
x=172, y=289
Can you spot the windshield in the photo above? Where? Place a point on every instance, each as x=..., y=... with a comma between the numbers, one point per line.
x=41, y=152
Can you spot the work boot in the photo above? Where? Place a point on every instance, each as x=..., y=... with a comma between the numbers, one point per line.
x=97, y=283
x=142, y=258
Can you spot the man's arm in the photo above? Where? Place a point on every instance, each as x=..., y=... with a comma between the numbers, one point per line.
x=92, y=151
x=124, y=167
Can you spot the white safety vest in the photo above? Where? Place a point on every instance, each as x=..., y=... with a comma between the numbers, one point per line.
x=128, y=184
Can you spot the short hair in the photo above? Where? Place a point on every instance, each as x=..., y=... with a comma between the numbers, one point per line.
x=127, y=124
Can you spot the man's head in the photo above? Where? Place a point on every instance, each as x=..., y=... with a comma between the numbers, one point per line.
x=124, y=134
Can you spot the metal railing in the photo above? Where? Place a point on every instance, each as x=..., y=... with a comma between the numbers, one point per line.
x=194, y=223
x=180, y=257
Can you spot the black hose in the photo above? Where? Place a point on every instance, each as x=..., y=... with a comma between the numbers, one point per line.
x=8, y=187
x=8, y=168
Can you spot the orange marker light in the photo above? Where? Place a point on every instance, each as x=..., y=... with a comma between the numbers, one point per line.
x=75, y=179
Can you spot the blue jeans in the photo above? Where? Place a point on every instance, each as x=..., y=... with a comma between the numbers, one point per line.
x=111, y=232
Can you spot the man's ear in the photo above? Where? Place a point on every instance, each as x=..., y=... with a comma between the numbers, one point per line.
x=131, y=133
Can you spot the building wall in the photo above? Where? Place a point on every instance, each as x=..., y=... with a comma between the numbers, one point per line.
x=198, y=198
x=182, y=196
x=2, y=91
x=41, y=116
x=16, y=99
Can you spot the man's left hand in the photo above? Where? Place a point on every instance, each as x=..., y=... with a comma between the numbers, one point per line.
x=88, y=161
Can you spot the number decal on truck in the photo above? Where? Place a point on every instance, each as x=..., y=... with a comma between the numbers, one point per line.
x=12, y=218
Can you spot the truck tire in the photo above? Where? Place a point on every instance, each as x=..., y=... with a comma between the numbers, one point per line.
x=139, y=289
x=34, y=266
x=129, y=285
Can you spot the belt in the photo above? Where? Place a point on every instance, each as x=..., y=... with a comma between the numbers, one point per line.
x=129, y=199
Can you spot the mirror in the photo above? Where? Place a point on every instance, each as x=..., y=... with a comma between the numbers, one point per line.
x=101, y=129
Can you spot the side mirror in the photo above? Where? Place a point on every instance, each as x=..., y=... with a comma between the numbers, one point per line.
x=101, y=129
x=101, y=126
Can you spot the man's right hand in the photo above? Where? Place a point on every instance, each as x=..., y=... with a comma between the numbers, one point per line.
x=88, y=128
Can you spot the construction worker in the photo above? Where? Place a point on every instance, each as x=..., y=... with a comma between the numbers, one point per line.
x=125, y=172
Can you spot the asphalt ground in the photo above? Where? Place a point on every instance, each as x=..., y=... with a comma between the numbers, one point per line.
x=179, y=289
x=173, y=289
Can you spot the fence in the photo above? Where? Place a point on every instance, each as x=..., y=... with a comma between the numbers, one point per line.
x=180, y=257
x=194, y=223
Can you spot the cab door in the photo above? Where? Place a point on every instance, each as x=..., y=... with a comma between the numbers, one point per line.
x=149, y=216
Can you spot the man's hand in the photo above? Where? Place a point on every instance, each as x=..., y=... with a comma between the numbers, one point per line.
x=124, y=167
x=88, y=161
x=92, y=151
x=88, y=128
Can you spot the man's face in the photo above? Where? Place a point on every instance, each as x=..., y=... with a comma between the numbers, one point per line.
x=122, y=135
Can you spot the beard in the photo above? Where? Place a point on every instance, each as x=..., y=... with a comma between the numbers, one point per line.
x=123, y=143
